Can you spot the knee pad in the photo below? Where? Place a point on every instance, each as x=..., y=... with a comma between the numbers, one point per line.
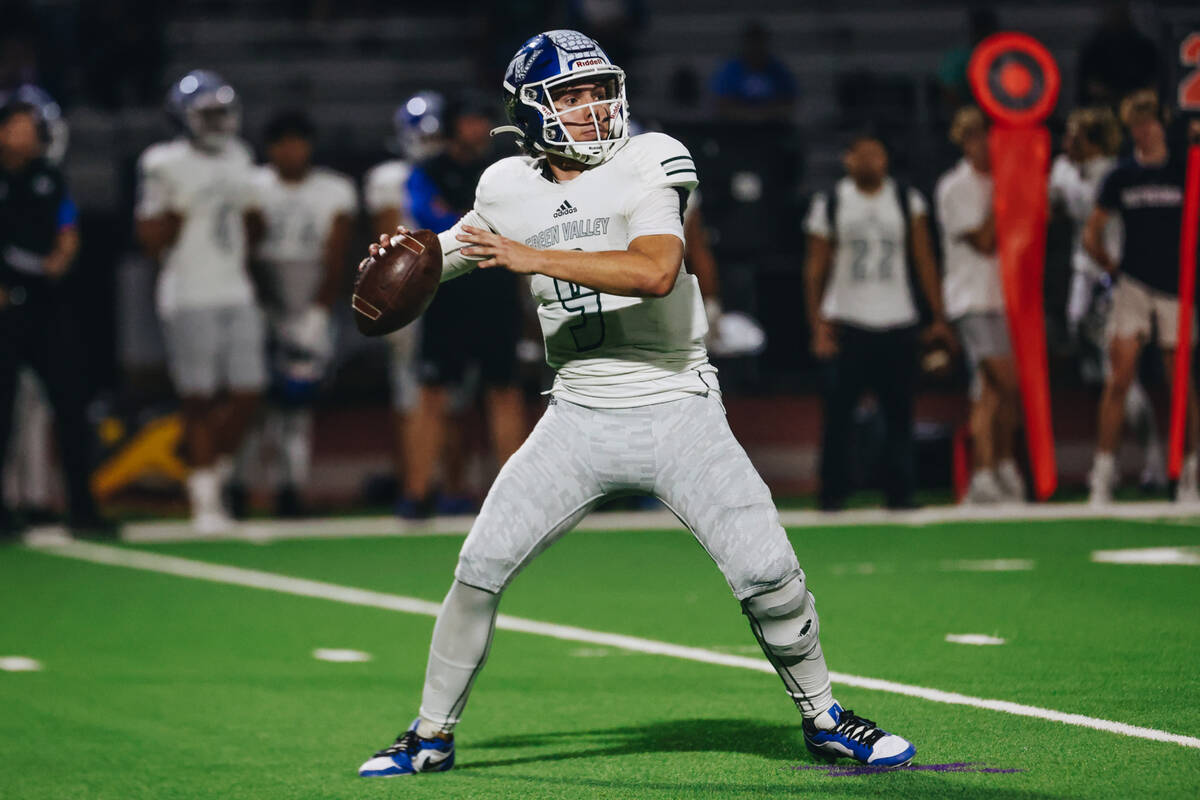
x=785, y=620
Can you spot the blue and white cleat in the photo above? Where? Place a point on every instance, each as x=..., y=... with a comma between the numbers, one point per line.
x=409, y=755
x=842, y=734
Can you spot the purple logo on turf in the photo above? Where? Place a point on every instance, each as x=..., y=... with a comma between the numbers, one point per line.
x=853, y=770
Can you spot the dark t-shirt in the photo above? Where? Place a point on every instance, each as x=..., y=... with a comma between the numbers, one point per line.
x=468, y=311
x=34, y=206
x=1149, y=200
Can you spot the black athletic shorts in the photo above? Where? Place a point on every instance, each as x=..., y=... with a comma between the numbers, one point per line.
x=475, y=319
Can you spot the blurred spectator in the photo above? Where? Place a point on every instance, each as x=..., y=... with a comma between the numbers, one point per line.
x=954, y=89
x=975, y=303
x=1117, y=59
x=38, y=243
x=1146, y=192
x=1091, y=141
x=308, y=214
x=197, y=215
x=473, y=323
x=862, y=234
x=754, y=86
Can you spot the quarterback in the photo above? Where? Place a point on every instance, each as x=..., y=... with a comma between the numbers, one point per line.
x=594, y=216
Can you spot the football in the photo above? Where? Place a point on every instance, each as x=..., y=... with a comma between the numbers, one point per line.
x=396, y=285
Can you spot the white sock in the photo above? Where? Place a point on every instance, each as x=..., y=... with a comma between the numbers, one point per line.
x=462, y=637
x=296, y=450
x=204, y=491
x=430, y=730
x=1104, y=462
x=824, y=721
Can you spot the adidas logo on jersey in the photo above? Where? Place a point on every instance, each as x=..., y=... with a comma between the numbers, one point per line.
x=565, y=208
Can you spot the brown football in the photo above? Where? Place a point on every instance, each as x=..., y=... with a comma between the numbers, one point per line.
x=395, y=287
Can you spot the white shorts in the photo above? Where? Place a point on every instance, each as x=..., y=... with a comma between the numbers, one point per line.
x=1139, y=311
x=209, y=349
x=681, y=452
x=984, y=334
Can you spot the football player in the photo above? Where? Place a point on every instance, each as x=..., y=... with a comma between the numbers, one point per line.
x=594, y=216
x=197, y=216
x=1091, y=141
x=308, y=213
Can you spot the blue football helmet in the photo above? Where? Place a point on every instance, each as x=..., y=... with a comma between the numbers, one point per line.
x=420, y=125
x=543, y=66
x=51, y=125
x=206, y=107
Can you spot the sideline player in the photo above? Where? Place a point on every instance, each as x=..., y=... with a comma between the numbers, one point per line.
x=863, y=311
x=594, y=216
x=975, y=305
x=197, y=216
x=1146, y=192
x=420, y=131
x=1091, y=142
x=308, y=214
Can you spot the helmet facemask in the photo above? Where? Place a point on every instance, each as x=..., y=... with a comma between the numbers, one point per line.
x=611, y=110
x=214, y=119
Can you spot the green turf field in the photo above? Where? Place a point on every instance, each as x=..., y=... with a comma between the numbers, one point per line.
x=160, y=686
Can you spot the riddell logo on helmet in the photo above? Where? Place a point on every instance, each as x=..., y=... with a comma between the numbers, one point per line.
x=587, y=62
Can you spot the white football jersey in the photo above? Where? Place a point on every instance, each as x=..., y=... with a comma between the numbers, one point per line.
x=868, y=284
x=609, y=351
x=206, y=266
x=299, y=217
x=385, y=186
x=1075, y=186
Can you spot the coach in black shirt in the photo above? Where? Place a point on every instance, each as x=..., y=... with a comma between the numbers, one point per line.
x=38, y=242
x=1146, y=192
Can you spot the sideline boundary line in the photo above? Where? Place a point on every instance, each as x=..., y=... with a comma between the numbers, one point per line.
x=239, y=576
x=268, y=530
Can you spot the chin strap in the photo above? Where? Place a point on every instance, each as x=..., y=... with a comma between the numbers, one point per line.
x=507, y=129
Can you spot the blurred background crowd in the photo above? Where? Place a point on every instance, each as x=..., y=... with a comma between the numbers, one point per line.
x=780, y=104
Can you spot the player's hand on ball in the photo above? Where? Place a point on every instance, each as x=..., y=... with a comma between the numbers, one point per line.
x=397, y=280
x=496, y=251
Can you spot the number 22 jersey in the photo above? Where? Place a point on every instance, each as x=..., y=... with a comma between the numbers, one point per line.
x=609, y=351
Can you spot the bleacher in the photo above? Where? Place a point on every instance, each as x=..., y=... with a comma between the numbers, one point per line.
x=350, y=71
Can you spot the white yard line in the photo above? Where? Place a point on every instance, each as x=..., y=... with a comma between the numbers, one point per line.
x=187, y=568
x=988, y=565
x=268, y=530
x=1186, y=556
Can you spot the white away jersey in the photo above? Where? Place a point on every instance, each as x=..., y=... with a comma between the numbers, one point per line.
x=609, y=351
x=868, y=285
x=206, y=267
x=385, y=186
x=299, y=217
x=1075, y=186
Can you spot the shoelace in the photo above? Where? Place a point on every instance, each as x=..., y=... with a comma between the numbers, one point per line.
x=858, y=728
x=408, y=742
